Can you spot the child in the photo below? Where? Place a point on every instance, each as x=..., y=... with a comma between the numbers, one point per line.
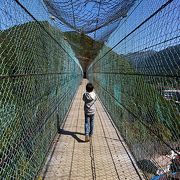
x=89, y=98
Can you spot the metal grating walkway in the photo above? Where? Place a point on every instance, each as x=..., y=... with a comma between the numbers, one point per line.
x=106, y=157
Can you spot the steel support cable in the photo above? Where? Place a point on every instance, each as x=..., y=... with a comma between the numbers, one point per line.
x=132, y=73
x=45, y=8
x=71, y=166
x=62, y=20
x=31, y=105
x=39, y=98
x=139, y=74
x=120, y=139
x=154, y=75
x=136, y=117
x=31, y=74
x=103, y=25
x=25, y=9
x=162, y=42
x=93, y=165
x=55, y=144
x=97, y=19
x=108, y=145
x=158, y=75
x=73, y=14
x=37, y=129
x=147, y=19
x=36, y=100
x=86, y=16
x=126, y=18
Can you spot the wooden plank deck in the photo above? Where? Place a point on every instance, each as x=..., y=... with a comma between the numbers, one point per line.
x=105, y=157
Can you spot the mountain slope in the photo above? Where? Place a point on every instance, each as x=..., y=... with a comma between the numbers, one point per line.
x=85, y=48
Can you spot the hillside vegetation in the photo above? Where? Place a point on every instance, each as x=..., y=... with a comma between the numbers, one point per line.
x=85, y=48
x=35, y=75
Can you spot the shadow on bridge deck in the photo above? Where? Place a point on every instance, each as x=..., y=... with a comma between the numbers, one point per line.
x=105, y=157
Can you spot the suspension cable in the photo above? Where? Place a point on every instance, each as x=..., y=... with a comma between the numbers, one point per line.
x=136, y=117
x=147, y=19
x=25, y=9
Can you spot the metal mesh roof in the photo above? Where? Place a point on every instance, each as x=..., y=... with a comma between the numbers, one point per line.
x=87, y=16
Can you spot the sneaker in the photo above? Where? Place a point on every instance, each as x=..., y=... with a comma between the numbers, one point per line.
x=86, y=138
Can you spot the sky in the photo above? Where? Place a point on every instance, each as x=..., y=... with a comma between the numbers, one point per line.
x=164, y=26
x=156, y=34
x=12, y=14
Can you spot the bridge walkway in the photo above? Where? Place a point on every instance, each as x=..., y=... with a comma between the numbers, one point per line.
x=105, y=157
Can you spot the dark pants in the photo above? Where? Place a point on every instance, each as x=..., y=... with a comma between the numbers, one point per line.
x=89, y=124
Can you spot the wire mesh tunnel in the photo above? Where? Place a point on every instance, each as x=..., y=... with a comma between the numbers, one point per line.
x=128, y=49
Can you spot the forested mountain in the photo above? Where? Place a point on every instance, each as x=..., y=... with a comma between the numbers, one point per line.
x=164, y=62
x=85, y=48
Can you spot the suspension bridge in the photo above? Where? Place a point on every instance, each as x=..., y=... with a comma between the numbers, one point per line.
x=129, y=50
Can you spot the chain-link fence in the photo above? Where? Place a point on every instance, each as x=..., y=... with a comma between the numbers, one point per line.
x=137, y=79
x=39, y=75
x=136, y=75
